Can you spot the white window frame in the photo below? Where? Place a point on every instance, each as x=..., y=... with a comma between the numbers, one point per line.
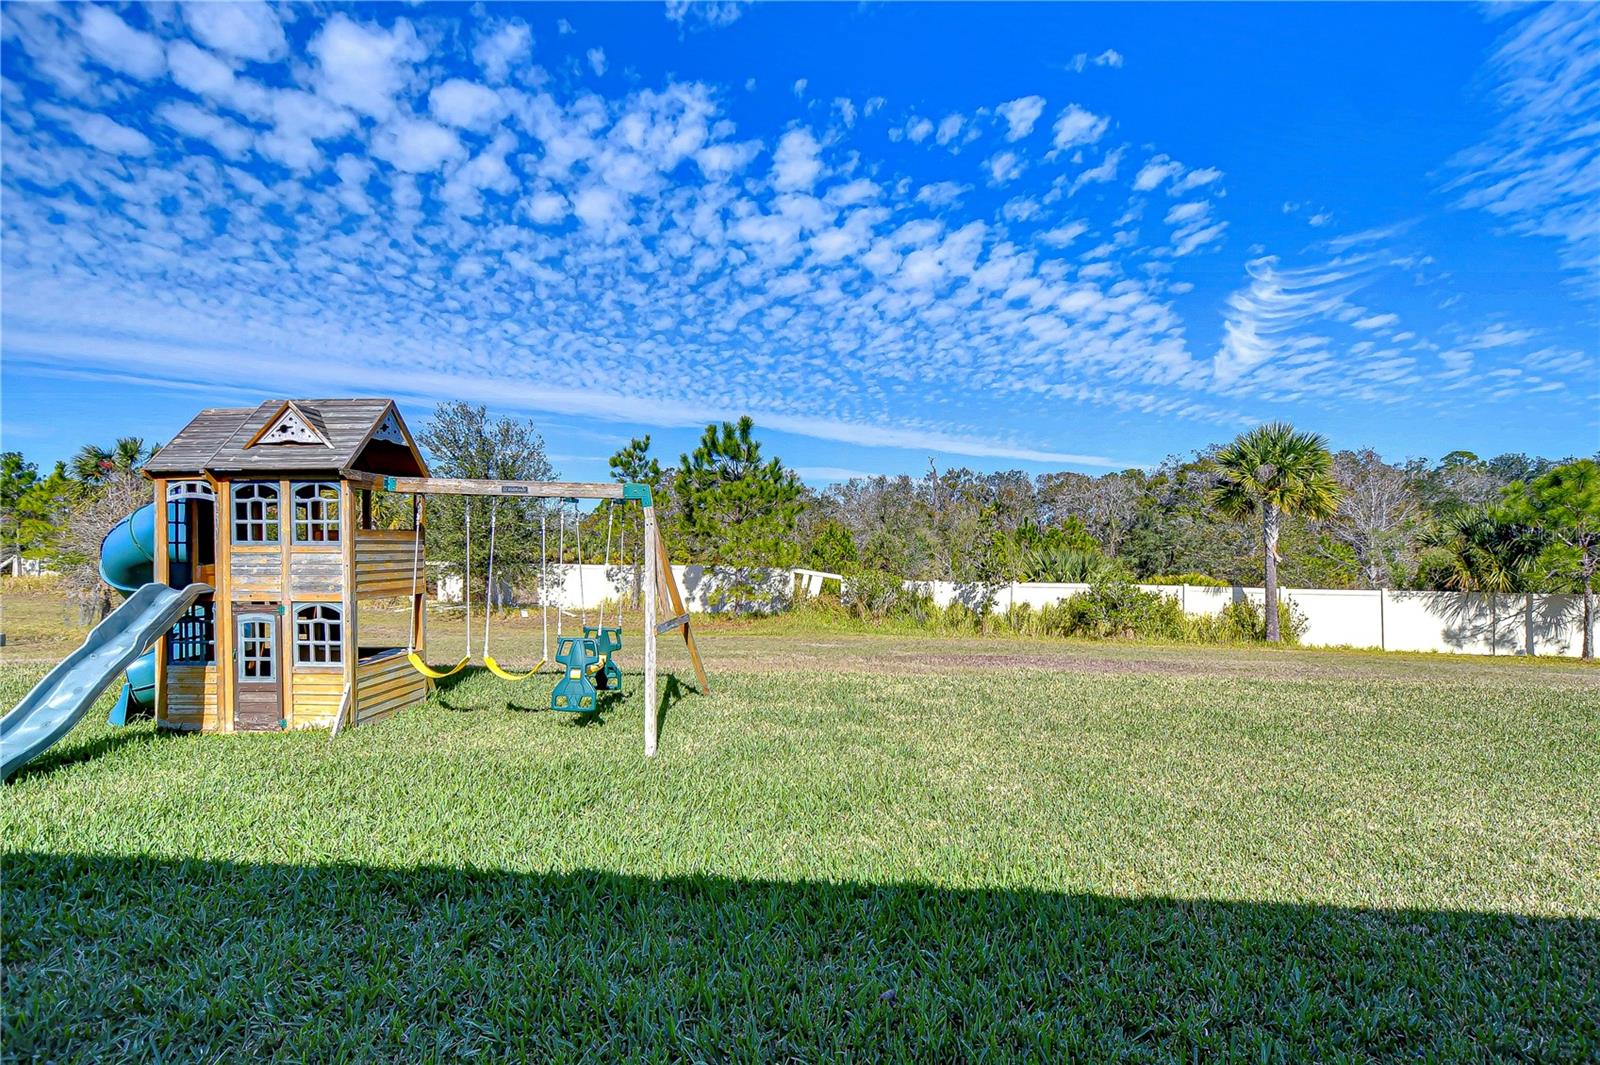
x=328, y=520
x=250, y=520
x=325, y=635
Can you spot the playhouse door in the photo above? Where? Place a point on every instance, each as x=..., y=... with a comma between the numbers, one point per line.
x=257, y=700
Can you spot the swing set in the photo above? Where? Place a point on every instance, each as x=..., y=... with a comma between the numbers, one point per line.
x=588, y=659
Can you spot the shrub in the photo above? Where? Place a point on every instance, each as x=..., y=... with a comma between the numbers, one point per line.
x=1246, y=622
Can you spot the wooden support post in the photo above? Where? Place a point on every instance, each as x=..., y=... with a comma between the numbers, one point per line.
x=162, y=574
x=349, y=517
x=651, y=722
x=675, y=604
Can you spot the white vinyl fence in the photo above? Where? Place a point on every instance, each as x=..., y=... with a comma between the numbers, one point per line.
x=1450, y=622
x=1453, y=622
x=705, y=590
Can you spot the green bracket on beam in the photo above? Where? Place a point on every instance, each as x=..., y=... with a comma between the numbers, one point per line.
x=641, y=492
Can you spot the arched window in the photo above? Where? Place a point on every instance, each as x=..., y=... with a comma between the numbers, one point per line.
x=255, y=513
x=316, y=513
x=318, y=635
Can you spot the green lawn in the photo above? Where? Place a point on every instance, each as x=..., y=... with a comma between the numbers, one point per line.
x=979, y=860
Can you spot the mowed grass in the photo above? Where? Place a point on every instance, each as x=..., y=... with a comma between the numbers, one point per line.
x=981, y=863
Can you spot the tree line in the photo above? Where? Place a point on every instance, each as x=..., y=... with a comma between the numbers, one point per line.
x=1275, y=506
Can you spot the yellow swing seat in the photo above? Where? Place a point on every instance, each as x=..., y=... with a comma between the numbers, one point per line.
x=505, y=674
x=428, y=671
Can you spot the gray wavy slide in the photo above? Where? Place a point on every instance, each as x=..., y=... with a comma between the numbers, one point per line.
x=60, y=700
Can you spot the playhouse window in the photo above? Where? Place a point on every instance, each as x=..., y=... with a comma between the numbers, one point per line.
x=255, y=513
x=318, y=635
x=193, y=639
x=316, y=513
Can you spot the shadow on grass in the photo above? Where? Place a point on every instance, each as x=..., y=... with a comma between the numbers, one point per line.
x=110, y=957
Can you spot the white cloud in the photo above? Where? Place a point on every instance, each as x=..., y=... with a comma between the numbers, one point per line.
x=1003, y=167
x=1153, y=173
x=1195, y=179
x=508, y=46
x=363, y=66
x=354, y=173
x=1108, y=58
x=1061, y=236
x=547, y=208
x=797, y=162
x=918, y=129
x=243, y=29
x=718, y=162
x=597, y=60
x=949, y=129
x=98, y=131
x=1020, y=115
x=465, y=104
x=1538, y=172
x=229, y=138
x=711, y=13
x=1098, y=175
x=846, y=109
x=300, y=119
x=119, y=46
x=800, y=87
x=1320, y=219
x=1076, y=126
x=1376, y=321
x=416, y=145
x=941, y=193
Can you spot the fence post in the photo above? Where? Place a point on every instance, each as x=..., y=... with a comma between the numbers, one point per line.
x=1383, y=635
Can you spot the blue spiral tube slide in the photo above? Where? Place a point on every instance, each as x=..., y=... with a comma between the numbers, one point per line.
x=127, y=563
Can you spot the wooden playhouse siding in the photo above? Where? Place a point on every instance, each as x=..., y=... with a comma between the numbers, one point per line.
x=385, y=685
x=383, y=563
x=315, y=572
x=317, y=694
x=256, y=573
x=192, y=699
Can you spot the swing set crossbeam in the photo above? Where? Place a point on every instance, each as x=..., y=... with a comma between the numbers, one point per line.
x=466, y=486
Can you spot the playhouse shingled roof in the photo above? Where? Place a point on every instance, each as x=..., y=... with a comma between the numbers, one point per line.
x=223, y=439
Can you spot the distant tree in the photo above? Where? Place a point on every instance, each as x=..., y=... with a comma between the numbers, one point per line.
x=17, y=476
x=77, y=549
x=737, y=508
x=462, y=440
x=94, y=465
x=1482, y=550
x=1108, y=505
x=38, y=520
x=831, y=548
x=1273, y=471
x=1378, y=513
x=1564, y=504
x=633, y=462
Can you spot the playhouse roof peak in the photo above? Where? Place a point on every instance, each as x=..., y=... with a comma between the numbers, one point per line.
x=293, y=437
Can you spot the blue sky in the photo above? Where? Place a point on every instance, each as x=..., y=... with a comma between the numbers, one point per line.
x=1002, y=236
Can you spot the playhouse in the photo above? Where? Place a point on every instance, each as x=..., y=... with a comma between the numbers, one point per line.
x=272, y=507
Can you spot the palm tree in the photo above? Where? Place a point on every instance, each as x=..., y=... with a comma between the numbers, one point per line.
x=93, y=463
x=1276, y=472
x=1485, y=551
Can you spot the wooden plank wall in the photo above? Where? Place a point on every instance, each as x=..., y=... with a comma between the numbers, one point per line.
x=316, y=697
x=316, y=573
x=383, y=563
x=256, y=573
x=386, y=684
x=192, y=698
